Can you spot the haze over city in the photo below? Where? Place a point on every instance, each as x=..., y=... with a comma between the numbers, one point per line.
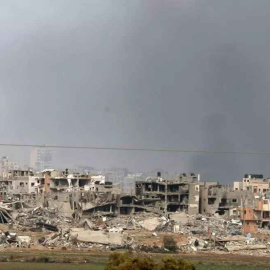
x=142, y=74
x=134, y=134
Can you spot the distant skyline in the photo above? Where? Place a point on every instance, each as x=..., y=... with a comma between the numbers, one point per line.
x=188, y=74
x=152, y=171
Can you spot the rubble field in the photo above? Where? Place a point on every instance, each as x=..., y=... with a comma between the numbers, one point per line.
x=46, y=229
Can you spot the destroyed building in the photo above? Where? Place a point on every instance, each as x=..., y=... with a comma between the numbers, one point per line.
x=87, y=211
x=180, y=194
x=262, y=211
x=19, y=182
x=82, y=195
x=223, y=200
x=256, y=216
x=67, y=182
x=250, y=220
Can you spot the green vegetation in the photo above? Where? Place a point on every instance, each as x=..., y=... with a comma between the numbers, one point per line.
x=100, y=266
x=68, y=260
x=230, y=267
x=127, y=261
x=169, y=243
x=50, y=266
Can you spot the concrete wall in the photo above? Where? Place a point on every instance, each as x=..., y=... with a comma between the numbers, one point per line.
x=181, y=195
x=24, y=185
x=249, y=226
x=47, y=183
x=194, y=198
x=216, y=199
x=210, y=198
x=62, y=204
x=263, y=205
x=238, y=185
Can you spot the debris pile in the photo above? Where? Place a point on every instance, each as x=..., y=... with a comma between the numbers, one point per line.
x=12, y=239
x=5, y=213
x=46, y=227
x=40, y=217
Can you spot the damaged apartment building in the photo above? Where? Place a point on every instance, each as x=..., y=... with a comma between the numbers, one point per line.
x=223, y=200
x=82, y=195
x=68, y=192
x=19, y=183
x=256, y=216
x=162, y=195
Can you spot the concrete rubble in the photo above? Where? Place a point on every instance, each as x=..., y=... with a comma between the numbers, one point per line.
x=151, y=224
x=82, y=212
x=99, y=237
x=201, y=233
x=246, y=247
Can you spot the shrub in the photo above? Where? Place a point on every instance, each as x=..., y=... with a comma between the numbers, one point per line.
x=67, y=260
x=171, y=263
x=42, y=259
x=169, y=243
x=129, y=261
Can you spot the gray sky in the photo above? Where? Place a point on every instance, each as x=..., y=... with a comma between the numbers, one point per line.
x=188, y=74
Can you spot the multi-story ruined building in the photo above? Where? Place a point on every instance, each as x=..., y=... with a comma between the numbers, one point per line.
x=180, y=194
x=257, y=215
x=69, y=182
x=19, y=182
x=81, y=195
x=219, y=199
x=250, y=219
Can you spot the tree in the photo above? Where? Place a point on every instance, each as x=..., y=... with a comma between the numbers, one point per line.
x=130, y=261
x=169, y=243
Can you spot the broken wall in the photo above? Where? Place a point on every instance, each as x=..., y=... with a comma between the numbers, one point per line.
x=194, y=198
x=221, y=199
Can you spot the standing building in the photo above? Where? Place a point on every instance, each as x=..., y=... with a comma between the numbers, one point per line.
x=116, y=175
x=6, y=166
x=41, y=159
x=128, y=182
x=253, y=182
x=19, y=182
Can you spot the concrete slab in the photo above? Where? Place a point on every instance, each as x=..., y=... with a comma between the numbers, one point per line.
x=150, y=224
x=98, y=237
x=180, y=218
x=246, y=247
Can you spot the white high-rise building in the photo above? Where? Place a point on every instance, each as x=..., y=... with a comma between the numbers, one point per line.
x=41, y=159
